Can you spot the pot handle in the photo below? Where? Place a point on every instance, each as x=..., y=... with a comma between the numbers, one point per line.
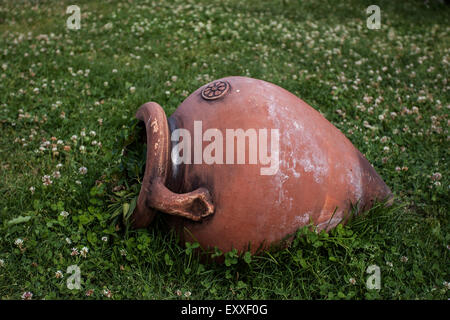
x=154, y=194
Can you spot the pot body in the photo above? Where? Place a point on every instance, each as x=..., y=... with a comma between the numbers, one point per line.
x=319, y=175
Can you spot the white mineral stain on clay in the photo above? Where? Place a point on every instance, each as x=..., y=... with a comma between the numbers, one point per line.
x=314, y=159
x=155, y=126
x=354, y=178
x=275, y=113
x=302, y=220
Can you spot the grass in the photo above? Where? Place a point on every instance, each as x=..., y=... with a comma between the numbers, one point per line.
x=68, y=98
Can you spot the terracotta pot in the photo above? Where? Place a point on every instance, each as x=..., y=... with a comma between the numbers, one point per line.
x=320, y=175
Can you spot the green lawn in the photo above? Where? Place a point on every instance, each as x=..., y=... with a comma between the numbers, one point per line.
x=67, y=104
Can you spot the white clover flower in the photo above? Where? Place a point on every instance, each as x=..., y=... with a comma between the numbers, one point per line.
x=107, y=293
x=123, y=252
x=132, y=89
x=64, y=214
x=32, y=189
x=59, y=274
x=104, y=238
x=74, y=137
x=68, y=240
x=404, y=259
x=92, y=133
x=187, y=294
x=352, y=281
x=2, y=262
x=56, y=175
x=84, y=252
x=46, y=180
x=436, y=176
x=59, y=165
x=27, y=295
x=18, y=242
x=74, y=252
x=83, y=170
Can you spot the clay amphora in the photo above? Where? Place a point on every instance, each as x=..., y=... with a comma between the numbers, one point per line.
x=311, y=174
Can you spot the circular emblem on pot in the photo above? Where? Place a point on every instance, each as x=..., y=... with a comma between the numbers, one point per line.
x=215, y=90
